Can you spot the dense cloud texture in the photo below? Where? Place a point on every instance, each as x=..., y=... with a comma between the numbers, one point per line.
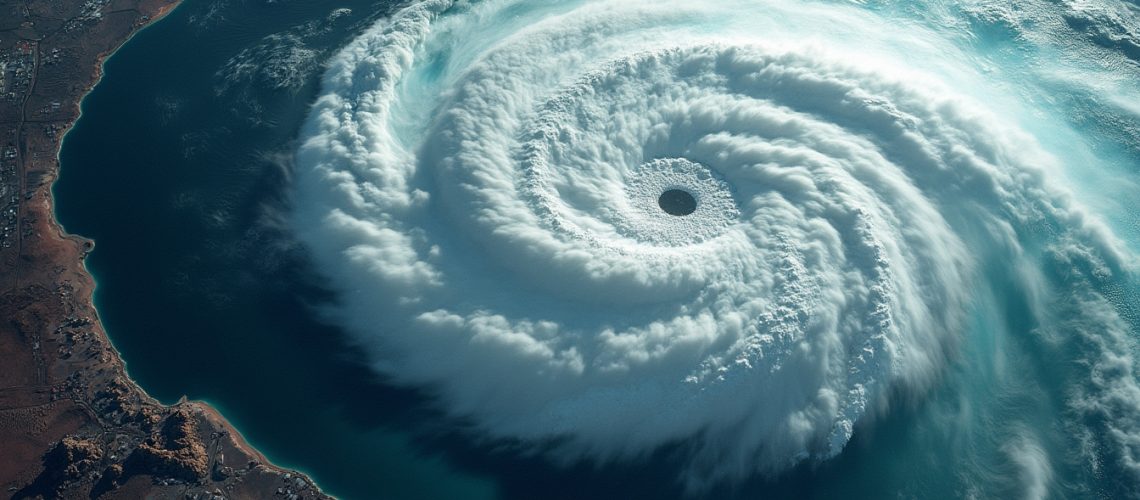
x=480, y=181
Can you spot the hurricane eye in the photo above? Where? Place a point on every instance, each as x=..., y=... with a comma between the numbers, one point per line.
x=677, y=202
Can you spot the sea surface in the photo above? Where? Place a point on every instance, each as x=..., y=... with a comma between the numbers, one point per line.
x=177, y=169
x=184, y=170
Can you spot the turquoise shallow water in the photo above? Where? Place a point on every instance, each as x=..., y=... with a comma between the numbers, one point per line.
x=181, y=169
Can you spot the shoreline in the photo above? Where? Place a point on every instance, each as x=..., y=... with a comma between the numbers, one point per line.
x=88, y=244
x=113, y=437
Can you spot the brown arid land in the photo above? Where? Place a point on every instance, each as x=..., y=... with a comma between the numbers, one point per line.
x=72, y=425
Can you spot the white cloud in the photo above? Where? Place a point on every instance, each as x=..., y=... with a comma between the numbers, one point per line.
x=482, y=189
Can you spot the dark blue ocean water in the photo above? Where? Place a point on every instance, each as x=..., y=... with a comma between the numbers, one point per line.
x=180, y=170
x=178, y=178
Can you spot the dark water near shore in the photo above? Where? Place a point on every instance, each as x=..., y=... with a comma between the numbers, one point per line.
x=179, y=170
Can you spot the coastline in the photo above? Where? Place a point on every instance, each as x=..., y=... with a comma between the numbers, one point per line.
x=74, y=422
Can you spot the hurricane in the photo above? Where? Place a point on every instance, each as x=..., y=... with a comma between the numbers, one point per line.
x=745, y=231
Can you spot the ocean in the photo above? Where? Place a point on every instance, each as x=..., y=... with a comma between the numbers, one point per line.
x=390, y=252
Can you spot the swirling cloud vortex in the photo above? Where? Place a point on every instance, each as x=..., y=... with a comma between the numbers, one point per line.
x=481, y=181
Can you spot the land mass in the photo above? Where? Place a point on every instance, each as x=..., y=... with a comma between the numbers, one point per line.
x=71, y=423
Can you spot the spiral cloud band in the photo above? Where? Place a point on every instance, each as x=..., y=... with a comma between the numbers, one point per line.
x=484, y=181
